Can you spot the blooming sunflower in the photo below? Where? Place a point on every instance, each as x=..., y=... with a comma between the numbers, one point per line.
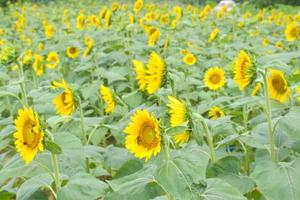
x=279, y=44
x=80, y=21
x=243, y=70
x=143, y=135
x=291, y=31
x=107, y=18
x=65, y=102
x=256, y=89
x=278, y=86
x=189, y=59
x=108, y=98
x=49, y=31
x=52, y=60
x=215, y=112
x=298, y=91
x=153, y=36
x=265, y=42
x=154, y=73
x=177, y=112
x=214, y=78
x=29, y=135
x=213, y=35
x=138, y=5
x=72, y=52
x=89, y=42
x=140, y=74
x=38, y=65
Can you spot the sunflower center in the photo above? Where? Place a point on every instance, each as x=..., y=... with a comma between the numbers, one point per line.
x=215, y=78
x=294, y=32
x=190, y=59
x=279, y=85
x=72, y=50
x=30, y=135
x=147, y=137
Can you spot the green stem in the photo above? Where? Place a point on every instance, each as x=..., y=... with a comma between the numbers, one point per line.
x=56, y=171
x=268, y=111
x=22, y=84
x=209, y=140
x=166, y=148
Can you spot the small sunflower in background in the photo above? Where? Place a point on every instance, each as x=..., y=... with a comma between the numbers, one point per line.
x=140, y=74
x=214, y=78
x=108, y=98
x=52, y=60
x=189, y=59
x=279, y=44
x=49, y=31
x=298, y=91
x=278, y=86
x=291, y=31
x=265, y=42
x=72, y=52
x=256, y=89
x=213, y=35
x=80, y=21
x=138, y=5
x=29, y=135
x=38, y=64
x=178, y=115
x=65, y=102
x=243, y=70
x=143, y=135
x=215, y=113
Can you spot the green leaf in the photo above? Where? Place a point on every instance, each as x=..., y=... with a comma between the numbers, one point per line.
x=82, y=186
x=52, y=147
x=177, y=129
x=133, y=99
x=288, y=124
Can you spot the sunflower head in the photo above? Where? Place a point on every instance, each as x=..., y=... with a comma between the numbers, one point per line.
x=215, y=112
x=65, y=102
x=29, y=135
x=256, y=89
x=178, y=115
x=49, y=31
x=279, y=44
x=38, y=64
x=298, y=91
x=140, y=74
x=108, y=98
x=52, y=60
x=72, y=52
x=278, y=86
x=138, y=5
x=143, y=135
x=189, y=59
x=213, y=35
x=291, y=31
x=80, y=21
x=214, y=78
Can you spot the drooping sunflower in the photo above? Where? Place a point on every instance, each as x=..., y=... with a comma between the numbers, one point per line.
x=140, y=72
x=108, y=98
x=291, y=31
x=278, y=86
x=38, y=64
x=65, y=102
x=256, y=89
x=89, y=42
x=215, y=112
x=29, y=135
x=52, y=60
x=178, y=115
x=80, y=21
x=189, y=59
x=143, y=135
x=108, y=19
x=153, y=36
x=72, y=52
x=155, y=73
x=214, y=78
x=213, y=35
x=243, y=70
x=138, y=5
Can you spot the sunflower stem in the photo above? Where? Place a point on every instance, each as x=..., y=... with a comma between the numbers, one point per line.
x=166, y=149
x=268, y=111
x=22, y=84
x=56, y=172
x=209, y=140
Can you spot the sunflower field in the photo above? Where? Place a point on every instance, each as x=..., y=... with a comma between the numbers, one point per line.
x=149, y=100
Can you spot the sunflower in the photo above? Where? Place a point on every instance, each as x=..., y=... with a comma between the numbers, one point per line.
x=72, y=52
x=52, y=60
x=278, y=86
x=65, y=102
x=154, y=73
x=138, y=5
x=143, y=135
x=279, y=44
x=177, y=112
x=80, y=21
x=291, y=31
x=213, y=35
x=189, y=59
x=215, y=112
x=115, y=6
x=41, y=46
x=242, y=70
x=108, y=98
x=107, y=18
x=298, y=91
x=89, y=42
x=256, y=89
x=153, y=36
x=140, y=74
x=27, y=57
x=265, y=42
x=49, y=31
x=38, y=65
x=29, y=135
x=178, y=12
x=214, y=78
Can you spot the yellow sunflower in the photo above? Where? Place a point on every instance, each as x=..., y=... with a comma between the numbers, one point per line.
x=215, y=112
x=256, y=89
x=298, y=91
x=108, y=98
x=52, y=60
x=38, y=64
x=177, y=112
x=89, y=42
x=65, y=102
x=279, y=44
x=80, y=21
x=153, y=36
x=49, y=31
x=213, y=35
x=143, y=135
x=108, y=19
x=155, y=73
x=278, y=86
x=29, y=135
x=189, y=59
x=214, y=78
x=243, y=70
x=140, y=72
x=138, y=5
x=291, y=31
x=72, y=52
x=265, y=42
x=27, y=57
